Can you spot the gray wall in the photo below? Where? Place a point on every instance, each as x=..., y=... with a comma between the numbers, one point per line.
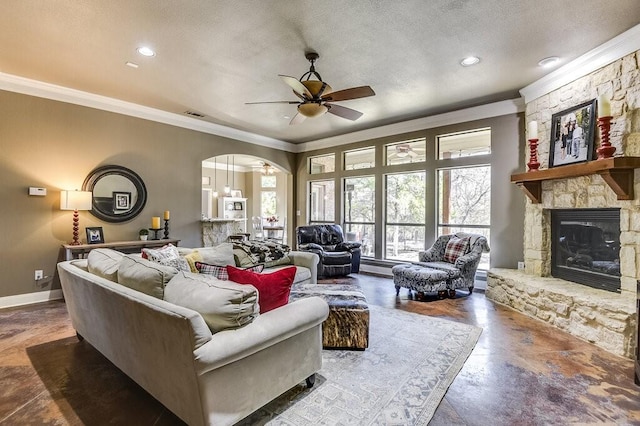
x=52, y=144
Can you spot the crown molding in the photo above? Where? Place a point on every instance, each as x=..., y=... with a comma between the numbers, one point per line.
x=614, y=49
x=13, y=83
x=495, y=109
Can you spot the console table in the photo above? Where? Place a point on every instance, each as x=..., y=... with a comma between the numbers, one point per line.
x=79, y=251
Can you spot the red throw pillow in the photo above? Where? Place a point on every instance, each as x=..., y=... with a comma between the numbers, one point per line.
x=273, y=288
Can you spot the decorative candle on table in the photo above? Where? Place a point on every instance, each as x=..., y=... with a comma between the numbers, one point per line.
x=532, y=135
x=155, y=222
x=604, y=123
x=167, y=215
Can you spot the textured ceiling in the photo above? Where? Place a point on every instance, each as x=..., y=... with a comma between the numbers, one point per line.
x=213, y=56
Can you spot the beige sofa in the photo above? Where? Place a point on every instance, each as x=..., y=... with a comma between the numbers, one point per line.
x=204, y=377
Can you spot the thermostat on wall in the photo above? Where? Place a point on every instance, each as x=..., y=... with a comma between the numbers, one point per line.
x=37, y=191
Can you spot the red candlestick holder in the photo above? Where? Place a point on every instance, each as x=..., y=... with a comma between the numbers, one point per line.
x=533, y=155
x=605, y=150
x=76, y=222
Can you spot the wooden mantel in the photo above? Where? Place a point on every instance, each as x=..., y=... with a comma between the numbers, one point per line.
x=617, y=172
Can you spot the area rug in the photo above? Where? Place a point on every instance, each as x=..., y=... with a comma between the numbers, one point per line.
x=400, y=379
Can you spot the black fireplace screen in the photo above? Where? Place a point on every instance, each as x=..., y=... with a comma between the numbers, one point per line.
x=585, y=247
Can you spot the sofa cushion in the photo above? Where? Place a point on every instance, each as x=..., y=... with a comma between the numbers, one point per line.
x=104, y=263
x=273, y=288
x=456, y=247
x=144, y=275
x=222, y=304
x=220, y=272
x=302, y=274
x=220, y=255
x=167, y=255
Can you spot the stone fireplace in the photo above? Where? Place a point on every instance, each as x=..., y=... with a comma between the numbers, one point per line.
x=605, y=317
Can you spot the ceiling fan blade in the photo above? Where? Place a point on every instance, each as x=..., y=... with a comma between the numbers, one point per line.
x=297, y=119
x=340, y=111
x=346, y=94
x=272, y=102
x=297, y=87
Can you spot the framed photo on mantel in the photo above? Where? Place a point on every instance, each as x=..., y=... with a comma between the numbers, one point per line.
x=572, y=135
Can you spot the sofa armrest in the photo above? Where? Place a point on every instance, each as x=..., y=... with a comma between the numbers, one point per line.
x=268, y=329
x=308, y=260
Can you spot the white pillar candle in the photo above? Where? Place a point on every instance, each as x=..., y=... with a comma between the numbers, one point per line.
x=532, y=130
x=604, y=106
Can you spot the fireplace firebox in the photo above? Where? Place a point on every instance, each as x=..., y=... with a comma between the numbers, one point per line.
x=585, y=247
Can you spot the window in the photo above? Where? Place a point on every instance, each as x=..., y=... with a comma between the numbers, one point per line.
x=405, y=215
x=360, y=159
x=268, y=196
x=412, y=151
x=464, y=144
x=464, y=202
x=322, y=201
x=359, y=212
x=322, y=164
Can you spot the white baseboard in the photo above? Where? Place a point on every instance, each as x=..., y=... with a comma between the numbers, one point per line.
x=30, y=298
x=378, y=270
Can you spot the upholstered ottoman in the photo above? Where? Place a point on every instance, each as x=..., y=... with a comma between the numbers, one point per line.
x=347, y=326
x=423, y=279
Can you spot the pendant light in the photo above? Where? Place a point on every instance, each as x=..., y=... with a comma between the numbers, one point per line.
x=227, y=188
x=233, y=168
x=214, y=194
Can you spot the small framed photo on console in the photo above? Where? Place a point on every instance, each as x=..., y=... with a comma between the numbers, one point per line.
x=95, y=235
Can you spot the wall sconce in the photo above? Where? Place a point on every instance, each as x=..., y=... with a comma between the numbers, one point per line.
x=75, y=200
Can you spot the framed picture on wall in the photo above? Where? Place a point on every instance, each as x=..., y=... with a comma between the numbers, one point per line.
x=572, y=135
x=94, y=235
x=121, y=201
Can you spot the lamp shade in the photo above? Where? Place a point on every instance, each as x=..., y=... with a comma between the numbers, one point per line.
x=75, y=200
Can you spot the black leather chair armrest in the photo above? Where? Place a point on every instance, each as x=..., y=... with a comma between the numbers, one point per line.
x=347, y=246
x=311, y=247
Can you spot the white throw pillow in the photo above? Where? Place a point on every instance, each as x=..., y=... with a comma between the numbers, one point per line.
x=222, y=304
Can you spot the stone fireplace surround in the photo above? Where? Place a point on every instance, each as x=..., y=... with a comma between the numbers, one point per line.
x=604, y=318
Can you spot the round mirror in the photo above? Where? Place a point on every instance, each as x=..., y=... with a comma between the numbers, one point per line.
x=119, y=194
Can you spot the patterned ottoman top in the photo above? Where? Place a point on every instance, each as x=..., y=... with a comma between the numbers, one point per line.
x=338, y=296
x=422, y=272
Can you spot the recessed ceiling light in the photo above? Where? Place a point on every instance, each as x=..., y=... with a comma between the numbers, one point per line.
x=146, y=51
x=549, y=62
x=131, y=64
x=469, y=60
x=286, y=117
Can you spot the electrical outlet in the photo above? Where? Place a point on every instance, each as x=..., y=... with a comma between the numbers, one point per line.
x=39, y=274
x=521, y=265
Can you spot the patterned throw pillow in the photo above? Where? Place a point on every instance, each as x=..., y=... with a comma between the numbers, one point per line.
x=248, y=253
x=168, y=256
x=220, y=272
x=456, y=247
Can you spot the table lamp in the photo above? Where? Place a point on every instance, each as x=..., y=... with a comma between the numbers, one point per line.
x=75, y=200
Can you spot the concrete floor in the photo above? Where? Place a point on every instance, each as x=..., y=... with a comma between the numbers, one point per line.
x=522, y=371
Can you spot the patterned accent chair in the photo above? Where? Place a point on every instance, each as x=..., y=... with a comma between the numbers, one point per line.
x=457, y=254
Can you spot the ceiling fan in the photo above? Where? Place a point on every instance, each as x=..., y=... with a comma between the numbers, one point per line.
x=317, y=97
x=404, y=150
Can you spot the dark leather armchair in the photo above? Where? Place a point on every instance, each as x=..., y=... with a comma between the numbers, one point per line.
x=337, y=257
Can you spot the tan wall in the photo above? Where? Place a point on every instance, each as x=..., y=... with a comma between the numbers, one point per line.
x=55, y=145
x=506, y=158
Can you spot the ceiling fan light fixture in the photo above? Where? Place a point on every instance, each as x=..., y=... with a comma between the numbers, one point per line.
x=311, y=110
x=315, y=86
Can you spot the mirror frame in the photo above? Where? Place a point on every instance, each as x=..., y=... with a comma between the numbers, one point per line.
x=101, y=172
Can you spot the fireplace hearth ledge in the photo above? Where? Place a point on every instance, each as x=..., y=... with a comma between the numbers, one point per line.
x=601, y=317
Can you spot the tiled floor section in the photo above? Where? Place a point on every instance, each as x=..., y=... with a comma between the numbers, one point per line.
x=521, y=372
